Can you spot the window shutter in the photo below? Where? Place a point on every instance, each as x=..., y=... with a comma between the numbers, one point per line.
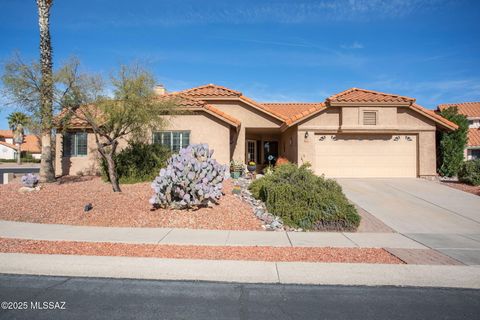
x=370, y=118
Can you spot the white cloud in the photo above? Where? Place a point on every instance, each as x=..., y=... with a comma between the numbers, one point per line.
x=354, y=45
x=253, y=12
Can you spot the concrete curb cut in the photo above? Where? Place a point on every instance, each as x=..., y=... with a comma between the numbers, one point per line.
x=241, y=271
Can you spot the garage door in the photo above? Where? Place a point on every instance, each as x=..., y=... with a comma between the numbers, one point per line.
x=366, y=156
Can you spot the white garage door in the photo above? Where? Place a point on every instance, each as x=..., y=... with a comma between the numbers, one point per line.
x=366, y=156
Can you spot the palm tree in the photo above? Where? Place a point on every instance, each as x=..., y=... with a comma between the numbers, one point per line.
x=47, y=173
x=17, y=118
x=17, y=121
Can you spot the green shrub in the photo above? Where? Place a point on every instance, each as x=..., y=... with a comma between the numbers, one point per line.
x=138, y=162
x=470, y=172
x=303, y=199
x=451, y=144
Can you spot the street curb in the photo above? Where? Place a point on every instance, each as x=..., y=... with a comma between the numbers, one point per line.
x=242, y=271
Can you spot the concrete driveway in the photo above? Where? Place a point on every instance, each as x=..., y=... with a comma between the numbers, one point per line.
x=435, y=215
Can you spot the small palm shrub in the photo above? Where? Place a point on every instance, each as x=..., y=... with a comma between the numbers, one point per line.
x=470, y=172
x=303, y=199
x=192, y=179
x=138, y=162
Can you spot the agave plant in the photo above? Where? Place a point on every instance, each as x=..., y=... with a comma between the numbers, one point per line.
x=192, y=179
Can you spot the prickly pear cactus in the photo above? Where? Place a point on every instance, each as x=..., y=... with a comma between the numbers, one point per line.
x=192, y=179
x=29, y=180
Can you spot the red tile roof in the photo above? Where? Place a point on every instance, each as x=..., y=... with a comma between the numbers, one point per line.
x=214, y=91
x=470, y=109
x=289, y=109
x=289, y=113
x=211, y=90
x=474, y=137
x=185, y=102
x=293, y=112
x=363, y=95
x=188, y=103
x=438, y=118
x=75, y=120
x=31, y=143
x=6, y=133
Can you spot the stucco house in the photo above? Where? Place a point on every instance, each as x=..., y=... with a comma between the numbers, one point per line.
x=472, y=111
x=8, y=149
x=356, y=133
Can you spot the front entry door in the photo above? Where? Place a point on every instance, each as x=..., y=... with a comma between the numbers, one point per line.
x=270, y=152
x=251, y=151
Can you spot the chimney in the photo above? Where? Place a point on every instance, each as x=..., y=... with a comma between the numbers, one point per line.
x=159, y=90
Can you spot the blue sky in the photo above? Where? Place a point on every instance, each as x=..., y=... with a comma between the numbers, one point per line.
x=270, y=50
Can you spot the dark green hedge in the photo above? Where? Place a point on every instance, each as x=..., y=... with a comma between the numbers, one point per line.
x=303, y=199
x=138, y=162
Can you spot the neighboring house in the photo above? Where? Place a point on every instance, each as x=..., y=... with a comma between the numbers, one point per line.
x=356, y=133
x=472, y=111
x=8, y=149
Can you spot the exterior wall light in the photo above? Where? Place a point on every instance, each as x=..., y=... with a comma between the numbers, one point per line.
x=306, y=135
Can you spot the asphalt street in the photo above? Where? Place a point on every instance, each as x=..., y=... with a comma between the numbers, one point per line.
x=43, y=297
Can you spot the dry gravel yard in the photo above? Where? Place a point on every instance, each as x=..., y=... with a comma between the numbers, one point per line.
x=278, y=254
x=464, y=187
x=63, y=202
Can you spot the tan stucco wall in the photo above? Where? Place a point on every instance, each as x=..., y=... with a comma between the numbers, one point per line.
x=84, y=165
x=352, y=117
x=249, y=117
x=328, y=119
x=289, y=144
x=396, y=120
x=427, y=154
x=203, y=128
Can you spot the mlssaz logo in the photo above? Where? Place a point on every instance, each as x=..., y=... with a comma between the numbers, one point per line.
x=48, y=305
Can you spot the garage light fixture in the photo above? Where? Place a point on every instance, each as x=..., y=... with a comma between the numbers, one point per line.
x=306, y=135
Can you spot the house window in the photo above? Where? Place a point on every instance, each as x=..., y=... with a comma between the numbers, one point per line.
x=75, y=144
x=370, y=118
x=474, y=154
x=174, y=140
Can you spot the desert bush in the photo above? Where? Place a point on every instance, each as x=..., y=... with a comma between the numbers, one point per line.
x=303, y=199
x=470, y=172
x=192, y=179
x=138, y=162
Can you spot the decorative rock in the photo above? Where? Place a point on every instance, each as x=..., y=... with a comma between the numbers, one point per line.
x=28, y=189
x=271, y=222
x=259, y=213
x=276, y=224
x=87, y=207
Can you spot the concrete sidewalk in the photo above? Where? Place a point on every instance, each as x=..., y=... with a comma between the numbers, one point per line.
x=241, y=271
x=22, y=230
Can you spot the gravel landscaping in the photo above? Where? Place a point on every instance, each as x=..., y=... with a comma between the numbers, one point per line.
x=63, y=202
x=463, y=186
x=277, y=254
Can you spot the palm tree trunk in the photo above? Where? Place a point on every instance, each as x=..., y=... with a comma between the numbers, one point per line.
x=19, y=155
x=47, y=173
